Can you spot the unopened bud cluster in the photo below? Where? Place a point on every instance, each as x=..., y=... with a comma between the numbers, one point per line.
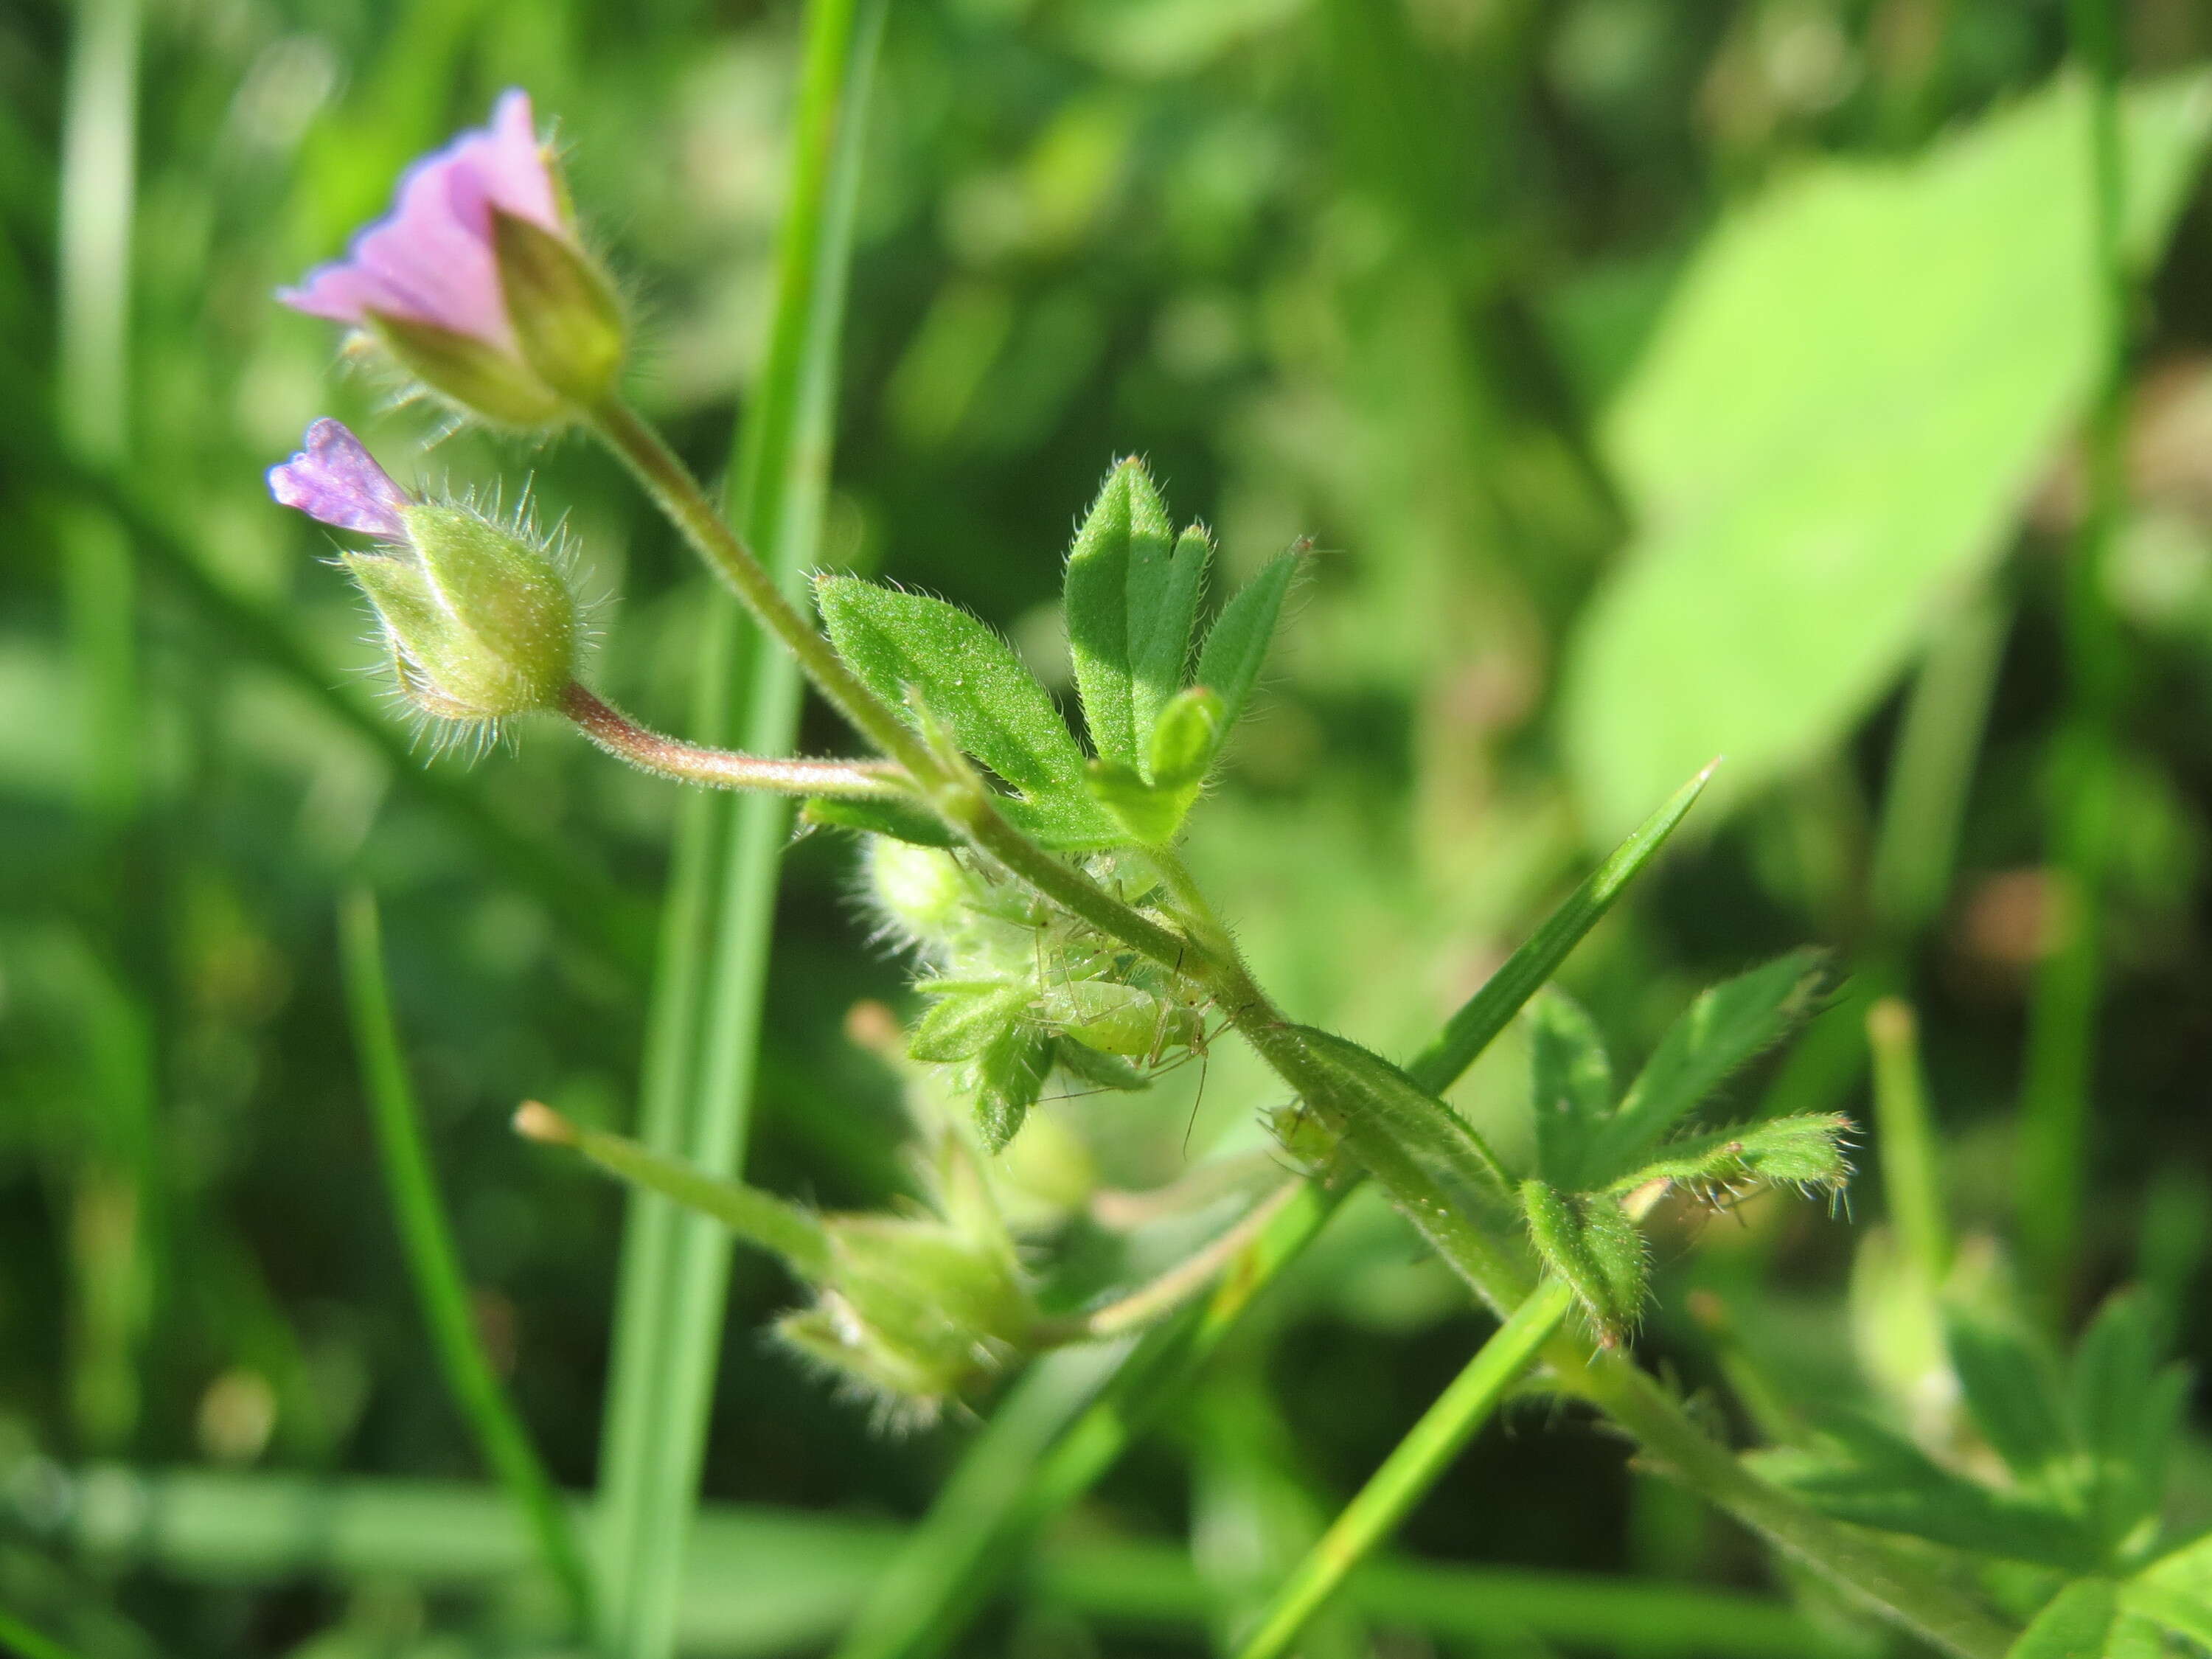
x=1018, y=989
x=920, y=1309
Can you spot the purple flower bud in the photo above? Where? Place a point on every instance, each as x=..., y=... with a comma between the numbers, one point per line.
x=335, y=480
x=432, y=261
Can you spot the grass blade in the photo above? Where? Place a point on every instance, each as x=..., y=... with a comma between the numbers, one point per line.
x=434, y=1265
x=1412, y=1469
x=705, y=1021
x=760, y=1580
x=968, y=1549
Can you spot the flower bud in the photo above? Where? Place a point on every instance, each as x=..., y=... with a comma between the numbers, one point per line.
x=480, y=624
x=913, y=1308
x=923, y=1307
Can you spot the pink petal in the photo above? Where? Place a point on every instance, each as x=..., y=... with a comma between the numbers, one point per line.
x=430, y=259
x=334, y=479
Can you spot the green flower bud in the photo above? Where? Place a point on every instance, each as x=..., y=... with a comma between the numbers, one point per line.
x=913, y=1308
x=480, y=622
x=924, y=894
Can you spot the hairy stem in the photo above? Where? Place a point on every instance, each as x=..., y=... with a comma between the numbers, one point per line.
x=719, y=768
x=1178, y=1285
x=679, y=494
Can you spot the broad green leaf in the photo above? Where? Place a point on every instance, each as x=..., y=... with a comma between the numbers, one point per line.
x=2012, y=1391
x=1856, y=384
x=1862, y=1473
x=1570, y=1085
x=1163, y=594
x=965, y=1019
x=965, y=676
x=1229, y=667
x=1126, y=529
x=1728, y=1025
x=1804, y=1149
x=2077, y=1624
x=2176, y=1590
x=1588, y=1240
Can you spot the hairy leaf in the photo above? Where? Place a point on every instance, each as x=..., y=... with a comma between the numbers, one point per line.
x=965, y=676
x=1126, y=529
x=966, y=1019
x=1572, y=1085
x=1163, y=594
x=1725, y=1027
x=1588, y=1240
x=1010, y=1075
x=1238, y=646
x=1804, y=1149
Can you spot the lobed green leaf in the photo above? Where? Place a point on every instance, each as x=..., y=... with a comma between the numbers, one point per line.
x=1862, y=1473
x=1726, y=1026
x=1236, y=647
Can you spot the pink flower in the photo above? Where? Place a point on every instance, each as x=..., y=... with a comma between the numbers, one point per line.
x=335, y=480
x=432, y=260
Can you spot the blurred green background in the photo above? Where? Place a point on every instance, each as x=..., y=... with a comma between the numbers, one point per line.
x=1656, y=379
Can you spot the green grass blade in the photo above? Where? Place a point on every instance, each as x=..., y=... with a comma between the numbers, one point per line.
x=971, y=1549
x=434, y=1264
x=1486, y=1013
x=760, y=1580
x=705, y=1023
x=1412, y=1469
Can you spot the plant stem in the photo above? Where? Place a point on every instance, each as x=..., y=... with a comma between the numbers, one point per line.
x=760, y=1217
x=1910, y=1176
x=434, y=1265
x=1178, y=1285
x=687, y=505
x=960, y=1550
x=2061, y=1032
x=1414, y=1467
x=719, y=768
